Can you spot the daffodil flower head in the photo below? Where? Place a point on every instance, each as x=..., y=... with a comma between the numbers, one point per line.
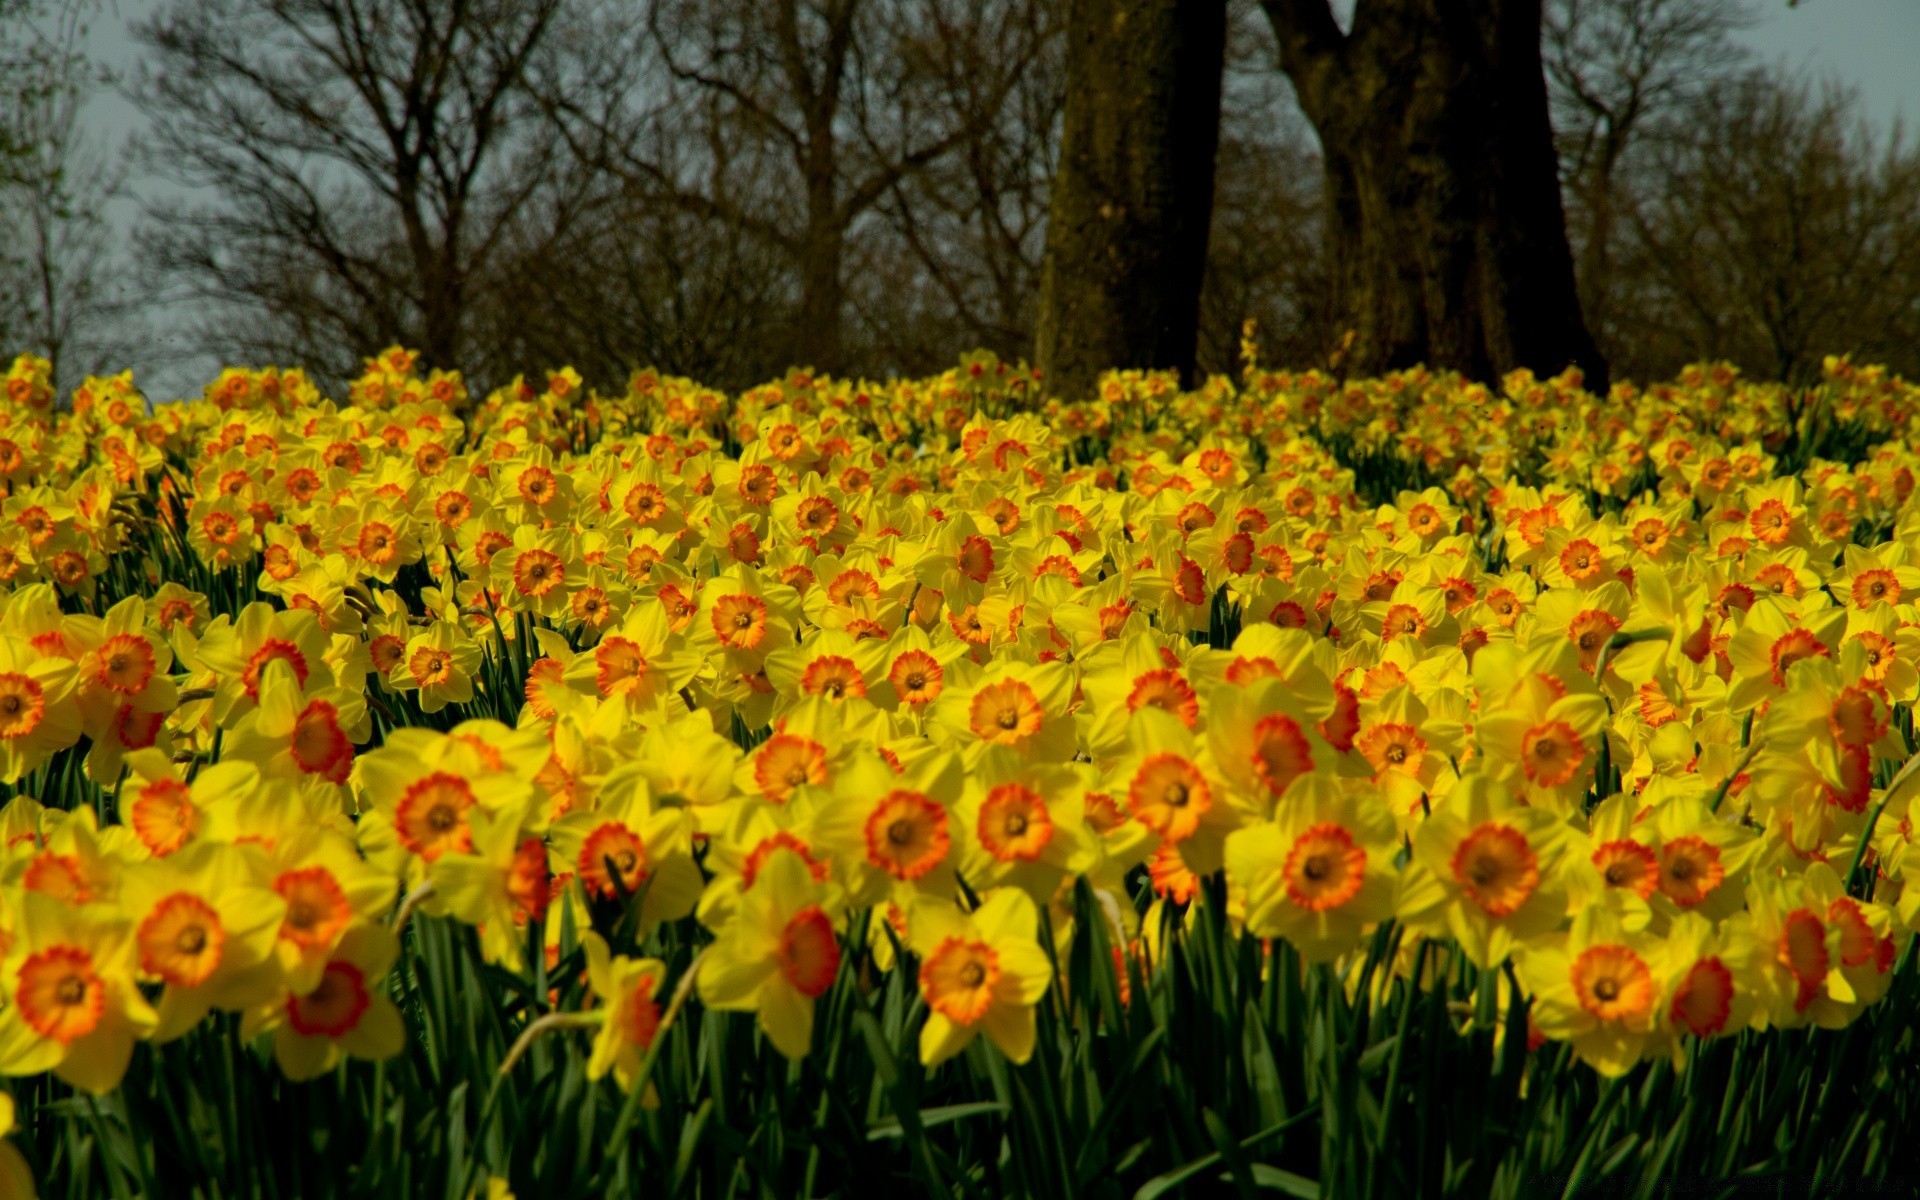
x=1486, y=869
x=778, y=953
x=980, y=972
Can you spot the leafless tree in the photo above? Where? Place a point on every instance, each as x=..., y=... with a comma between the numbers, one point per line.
x=790, y=120
x=1774, y=226
x=65, y=291
x=952, y=260
x=1617, y=69
x=640, y=284
x=356, y=169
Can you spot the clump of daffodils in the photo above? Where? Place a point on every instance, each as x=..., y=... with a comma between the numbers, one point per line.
x=835, y=677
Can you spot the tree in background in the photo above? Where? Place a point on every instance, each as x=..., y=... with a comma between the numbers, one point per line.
x=358, y=170
x=724, y=189
x=1771, y=228
x=952, y=260
x=1267, y=256
x=792, y=120
x=1443, y=185
x=1132, y=198
x=64, y=292
x=1618, y=71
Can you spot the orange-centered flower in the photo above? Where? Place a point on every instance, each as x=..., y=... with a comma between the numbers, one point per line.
x=619, y=666
x=221, y=528
x=57, y=875
x=1402, y=620
x=758, y=484
x=907, y=835
x=1550, y=753
x=787, y=761
x=1281, y=752
x=529, y=881
x=1167, y=690
x=1005, y=712
x=1651, y=535
x=317, y=907
x=1790, y=648
x=1858, y=718
x=820, y=867
x=833, y=676
x=917, y=677
x=975, y=559
x=740, y=621
x=385, y=652
x=1612, y=982
x=1625, y=863
x=271, y=649
x=335, y=1005
x=1580, y=560
x=1704, y=1000
x=1590, y=631
x=431, y=817
x=1014, y=823
x=22, y=705
x=319, y=746
x=59, y=994
x=378, y=544
x=1690, y=869
x=1392, y=747
x=537, y=572
x=1857, y=940
x=430, y=666
x=1771, y=522
x=1497, y=868
x=1803, y=952
x=125, y=663
x=1325, y=868
x=181, y=940
x=1169, y=794
x=817, y=515
x=537, y=485
x=1873, y=586
x=958, y=979
x=608, y=849
x=162, y=815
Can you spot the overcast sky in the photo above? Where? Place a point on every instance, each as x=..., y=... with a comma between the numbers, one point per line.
x=1872, y=44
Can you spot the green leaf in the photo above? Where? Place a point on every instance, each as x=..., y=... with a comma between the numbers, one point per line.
x=1160, y=1185
x=930, y=1117
x=1286, y=1182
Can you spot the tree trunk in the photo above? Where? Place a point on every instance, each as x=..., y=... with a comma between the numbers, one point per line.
x=1596, y=259
x=1133, y=195
x=818, y=323
x=444, y=306
x=1450, y=236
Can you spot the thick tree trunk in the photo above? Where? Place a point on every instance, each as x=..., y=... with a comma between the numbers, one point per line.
x=444, y=305
x=1443, y=184
x=1133, y=195
x=819, y=321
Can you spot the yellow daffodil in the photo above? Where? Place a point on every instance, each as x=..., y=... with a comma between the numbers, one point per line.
x=778, y=952
x=980, y=972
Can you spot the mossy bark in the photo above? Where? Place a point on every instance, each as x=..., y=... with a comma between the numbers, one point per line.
x=1133, y=194
x=1443, y=184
